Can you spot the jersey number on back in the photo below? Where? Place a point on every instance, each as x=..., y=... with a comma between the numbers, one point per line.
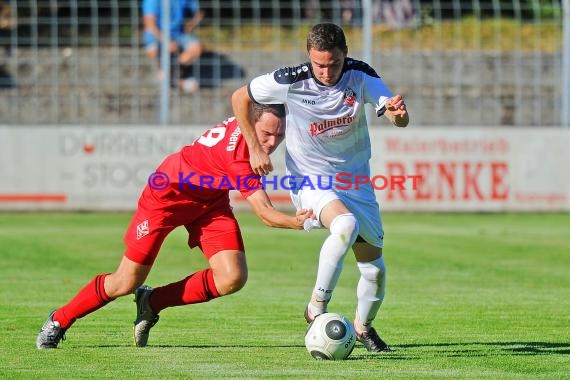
x=213, y=136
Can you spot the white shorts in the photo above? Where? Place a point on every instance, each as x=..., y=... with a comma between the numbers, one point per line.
x=362, y=203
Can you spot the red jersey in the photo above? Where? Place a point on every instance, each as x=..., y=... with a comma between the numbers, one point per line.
x=214, y=164
x=219, y=160
x=194, y=192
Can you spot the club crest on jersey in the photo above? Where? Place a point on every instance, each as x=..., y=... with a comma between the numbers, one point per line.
x=349, y=97
x=142, y=230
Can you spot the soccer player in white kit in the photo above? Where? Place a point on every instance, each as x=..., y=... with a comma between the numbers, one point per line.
x=326, y=135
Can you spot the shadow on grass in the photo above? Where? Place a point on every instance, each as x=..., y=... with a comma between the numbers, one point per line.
x=411, y=352
x=494, y=348
x=201, y=346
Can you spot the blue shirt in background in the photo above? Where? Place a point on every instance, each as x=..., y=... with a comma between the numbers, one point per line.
x=180, y=10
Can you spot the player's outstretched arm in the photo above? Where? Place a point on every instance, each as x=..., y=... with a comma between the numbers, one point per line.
x=397, y=112
x=264, y=210
x=241, y=104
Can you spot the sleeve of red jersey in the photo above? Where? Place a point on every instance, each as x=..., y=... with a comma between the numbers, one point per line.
x=240, y=172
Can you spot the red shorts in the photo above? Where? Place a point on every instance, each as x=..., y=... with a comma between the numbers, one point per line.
x=212, y=228
x=207, y=216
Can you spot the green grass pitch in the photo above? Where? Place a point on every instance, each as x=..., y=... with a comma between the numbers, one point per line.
x=469, y=296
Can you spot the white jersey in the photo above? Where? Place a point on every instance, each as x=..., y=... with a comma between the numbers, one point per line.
x=327, y=131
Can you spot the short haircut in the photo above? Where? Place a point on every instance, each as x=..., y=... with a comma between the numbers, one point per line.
x=326, y=37
x=259, y=109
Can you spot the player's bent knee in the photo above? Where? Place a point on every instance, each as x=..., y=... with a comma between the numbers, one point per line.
x=229, y=269
x=372, y=270
x=345, y=225
x=230, y=282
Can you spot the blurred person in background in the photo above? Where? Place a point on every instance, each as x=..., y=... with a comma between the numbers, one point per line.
x=185, y=47
x=314, y=9
x=6, y=26
x=326, y=135
x=192, y=191
x=394, y=14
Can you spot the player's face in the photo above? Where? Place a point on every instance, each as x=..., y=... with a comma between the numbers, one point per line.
x=327, y=65
x=270, y=131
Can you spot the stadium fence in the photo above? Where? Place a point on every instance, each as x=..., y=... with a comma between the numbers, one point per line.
x=458, y=63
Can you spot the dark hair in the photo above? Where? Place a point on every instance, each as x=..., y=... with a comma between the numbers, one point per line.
x=259, y=109
x=326, y=37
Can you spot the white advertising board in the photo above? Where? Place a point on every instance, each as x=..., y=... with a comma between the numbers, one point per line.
x=79, y=168
x=412, y=169
x=475, y=169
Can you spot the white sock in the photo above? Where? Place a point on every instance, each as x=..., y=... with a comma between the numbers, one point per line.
x=343, y=233
x=370, y=292
x=316, y=307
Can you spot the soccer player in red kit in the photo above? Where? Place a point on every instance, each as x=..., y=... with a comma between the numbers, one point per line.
x=191, y=189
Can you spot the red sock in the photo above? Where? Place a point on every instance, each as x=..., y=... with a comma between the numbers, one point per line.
x=196, y=288
x=89, y=299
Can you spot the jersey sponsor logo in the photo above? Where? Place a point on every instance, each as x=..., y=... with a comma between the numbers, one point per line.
x=310, y=101
x=326, y=125
x=233, y=140
x=142, y=230
x=349, y=97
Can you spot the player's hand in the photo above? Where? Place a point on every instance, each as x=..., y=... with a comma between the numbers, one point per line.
x=396, y=105
x=302, y=215
x=397, y=108
x=260, y=162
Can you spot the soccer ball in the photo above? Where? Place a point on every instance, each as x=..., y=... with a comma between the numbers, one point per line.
x=330, y=337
